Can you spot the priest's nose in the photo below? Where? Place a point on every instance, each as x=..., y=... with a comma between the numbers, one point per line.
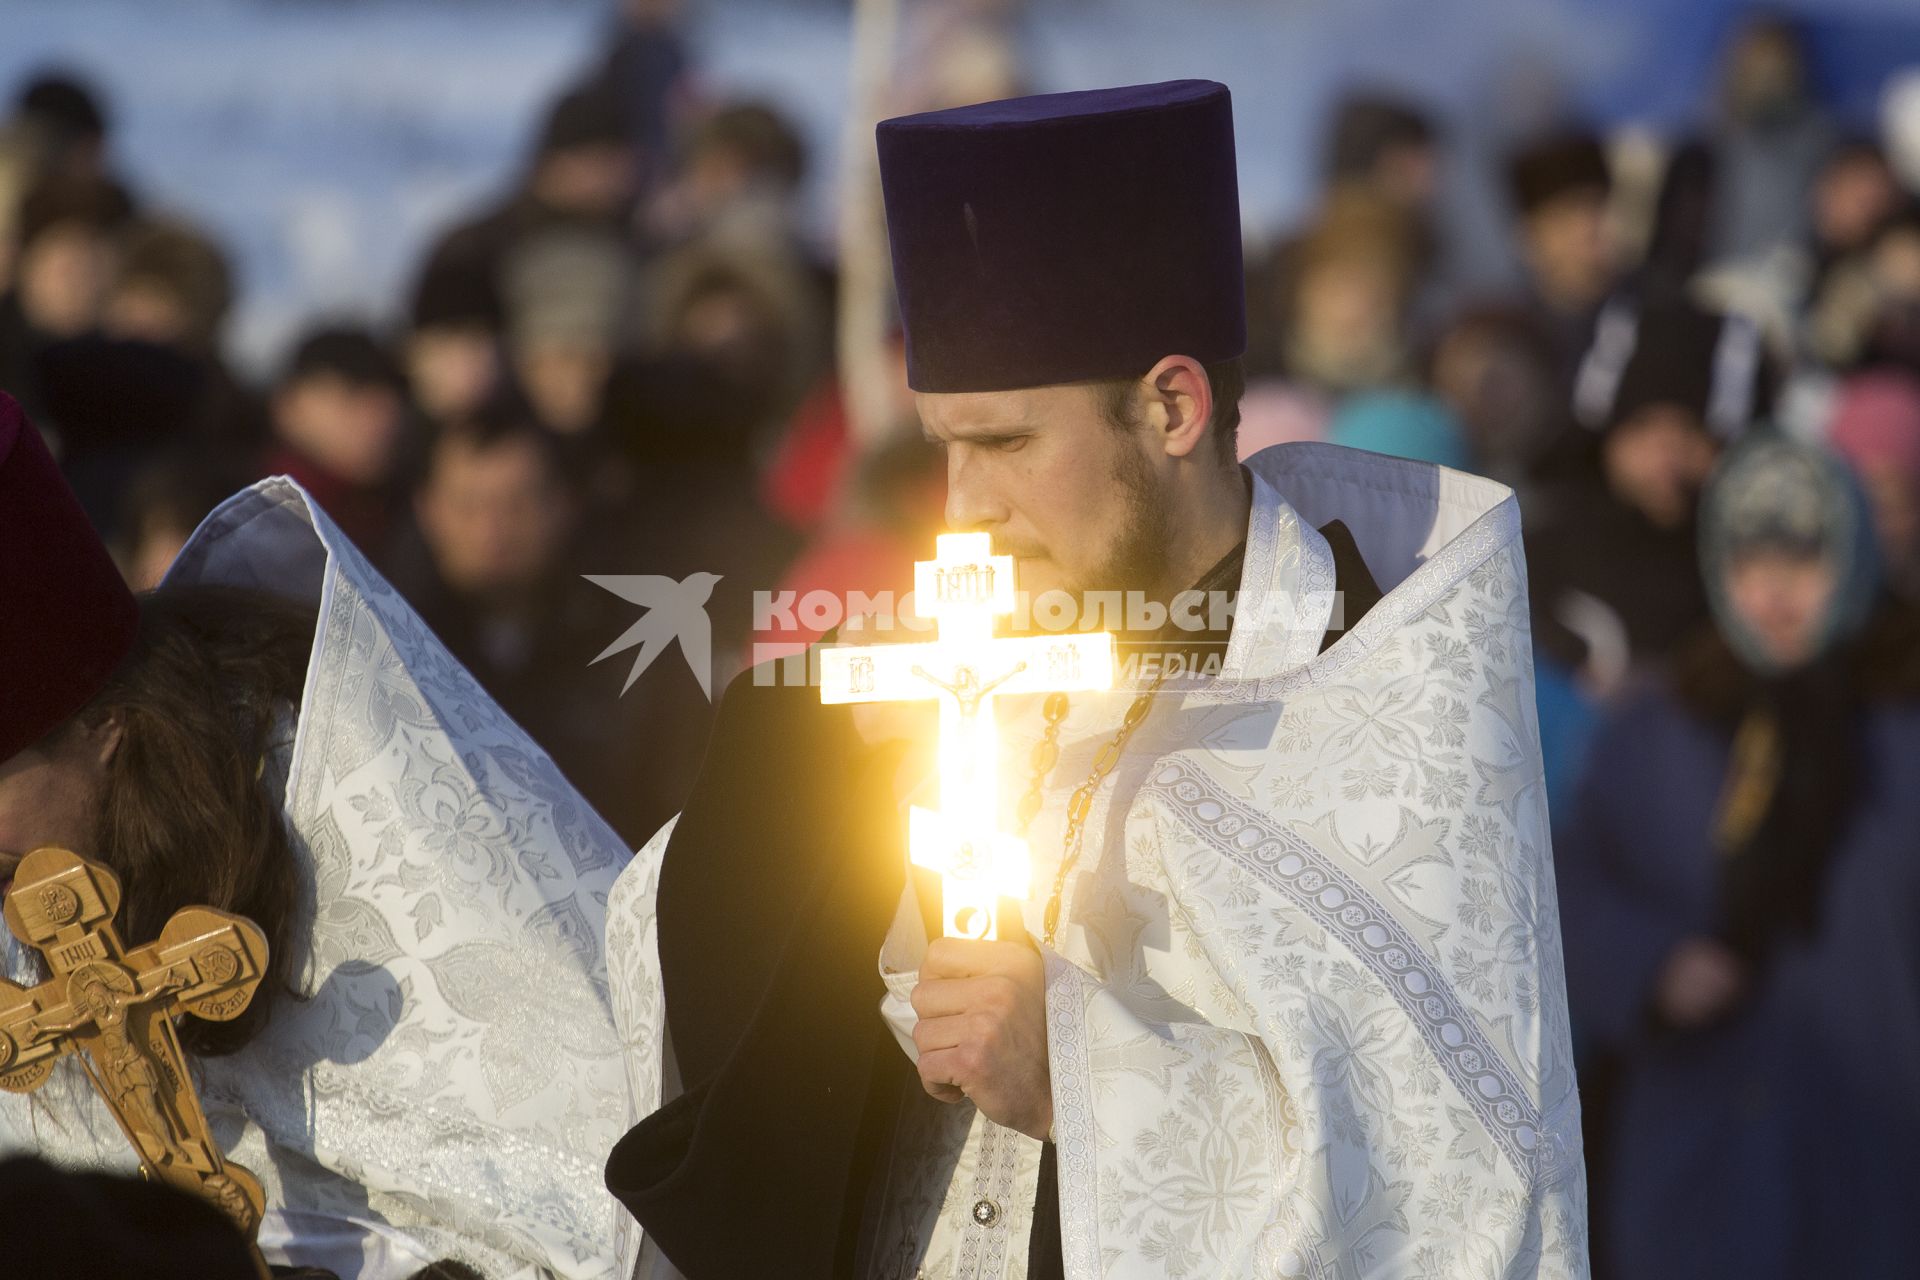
x=972, y=503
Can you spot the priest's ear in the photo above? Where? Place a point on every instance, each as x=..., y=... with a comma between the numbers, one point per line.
x=1178, y=404
x=95, y=735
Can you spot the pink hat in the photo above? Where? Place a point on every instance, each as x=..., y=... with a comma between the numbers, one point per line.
x=1876, y=422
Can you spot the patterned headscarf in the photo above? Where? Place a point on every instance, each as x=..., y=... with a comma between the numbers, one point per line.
x=1776, y=494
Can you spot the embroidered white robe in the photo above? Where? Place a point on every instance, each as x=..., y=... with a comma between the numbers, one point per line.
x=452, y=1080
x=1306, y=1015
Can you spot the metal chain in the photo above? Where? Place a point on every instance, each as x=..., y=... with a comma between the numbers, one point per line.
x=1046, y=753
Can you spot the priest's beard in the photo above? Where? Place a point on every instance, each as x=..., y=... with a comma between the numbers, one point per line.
x=1137, y=559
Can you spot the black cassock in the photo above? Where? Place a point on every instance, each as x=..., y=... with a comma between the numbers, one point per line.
x=778, y=887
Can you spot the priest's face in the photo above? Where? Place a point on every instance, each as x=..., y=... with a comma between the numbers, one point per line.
x=50, y=794
x=1080, y=502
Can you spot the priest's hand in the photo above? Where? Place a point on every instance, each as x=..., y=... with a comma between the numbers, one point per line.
x=982, y=1033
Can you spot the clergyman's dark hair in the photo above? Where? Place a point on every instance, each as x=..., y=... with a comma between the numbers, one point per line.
x=1228, y=378
x=212, y=679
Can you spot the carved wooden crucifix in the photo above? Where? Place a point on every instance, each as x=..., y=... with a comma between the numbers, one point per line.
x=116, y=1009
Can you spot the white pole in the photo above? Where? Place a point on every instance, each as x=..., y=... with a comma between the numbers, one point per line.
x=866, y=278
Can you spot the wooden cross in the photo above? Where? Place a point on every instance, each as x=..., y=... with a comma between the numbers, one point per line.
x=963, y=589
x=116, y=1008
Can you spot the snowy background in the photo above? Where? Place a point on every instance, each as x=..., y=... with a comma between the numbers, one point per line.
x=325, y=140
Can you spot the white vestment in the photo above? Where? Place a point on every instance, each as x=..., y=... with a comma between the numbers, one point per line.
x=1306, y=1016
x=451, y=1081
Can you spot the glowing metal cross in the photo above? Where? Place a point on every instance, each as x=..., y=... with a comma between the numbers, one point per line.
x=963, y=589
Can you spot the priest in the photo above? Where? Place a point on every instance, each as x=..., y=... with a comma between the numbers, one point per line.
x=428, y=1072
x=1287, y=1000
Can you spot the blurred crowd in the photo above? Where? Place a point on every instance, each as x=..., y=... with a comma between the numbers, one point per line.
x=1707, y=394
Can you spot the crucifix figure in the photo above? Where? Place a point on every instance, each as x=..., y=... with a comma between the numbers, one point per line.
x=102, y=998
x=964, y=589
x=116, y=1009
x=966, y=688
